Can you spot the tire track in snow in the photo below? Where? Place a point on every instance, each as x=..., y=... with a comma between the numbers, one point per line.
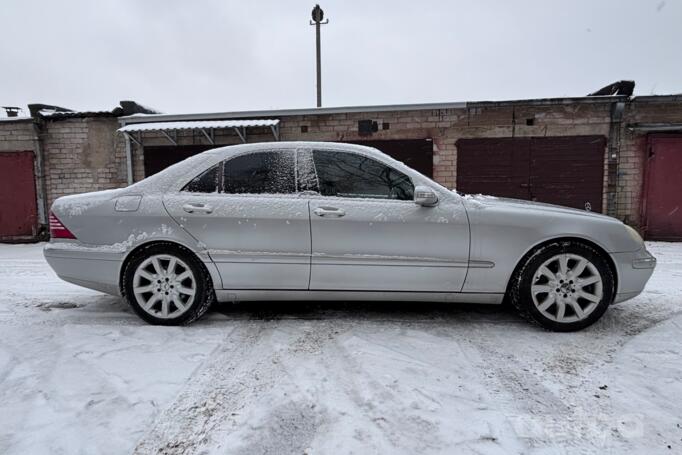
x=381, y=405
x=563, y=394
x=235, y=377
x=208, y=394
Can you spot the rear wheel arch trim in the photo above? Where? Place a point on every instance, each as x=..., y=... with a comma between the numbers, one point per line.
x=209, y=268
x=530, y=251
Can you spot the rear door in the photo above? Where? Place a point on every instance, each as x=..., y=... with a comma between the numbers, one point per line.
x=247, y=213
x=369, y=235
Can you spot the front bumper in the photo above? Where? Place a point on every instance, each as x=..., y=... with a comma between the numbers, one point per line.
x=634, y=270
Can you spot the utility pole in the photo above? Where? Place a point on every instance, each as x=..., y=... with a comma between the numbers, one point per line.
x=318, y=16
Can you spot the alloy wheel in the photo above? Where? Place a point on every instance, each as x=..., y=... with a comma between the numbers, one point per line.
x=164, y=286
x=567, y=288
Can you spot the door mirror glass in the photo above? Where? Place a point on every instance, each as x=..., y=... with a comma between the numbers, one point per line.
x=425, y=196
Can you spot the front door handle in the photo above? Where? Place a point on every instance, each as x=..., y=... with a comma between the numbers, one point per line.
x=329, y=211
x=191, y=208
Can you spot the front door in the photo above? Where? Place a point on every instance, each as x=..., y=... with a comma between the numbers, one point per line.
x=248, y=215
x=368, y=234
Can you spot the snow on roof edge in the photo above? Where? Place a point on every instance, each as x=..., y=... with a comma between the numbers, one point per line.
x=197, y=124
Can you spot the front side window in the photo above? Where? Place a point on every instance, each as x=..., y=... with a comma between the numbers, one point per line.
x=351, y=175
x=260, y=173
x=206, y=182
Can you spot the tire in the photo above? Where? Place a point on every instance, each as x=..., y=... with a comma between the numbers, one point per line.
x=583, y=285
x=167, y=285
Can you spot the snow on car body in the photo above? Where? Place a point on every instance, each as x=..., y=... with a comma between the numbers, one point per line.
x=306, y=220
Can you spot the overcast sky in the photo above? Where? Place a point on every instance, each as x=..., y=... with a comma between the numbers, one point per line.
x=226, y=55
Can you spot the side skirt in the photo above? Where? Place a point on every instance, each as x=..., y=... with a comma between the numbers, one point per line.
x=227, y=295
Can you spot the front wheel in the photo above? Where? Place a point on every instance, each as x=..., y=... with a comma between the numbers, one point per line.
x=166, y=285
x=564, y=286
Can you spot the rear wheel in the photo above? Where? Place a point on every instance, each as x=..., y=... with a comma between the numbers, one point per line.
x=166, y=285
x=564, y=286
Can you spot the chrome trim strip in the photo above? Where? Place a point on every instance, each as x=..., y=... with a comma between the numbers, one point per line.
x=236, y=295
x=481, y=264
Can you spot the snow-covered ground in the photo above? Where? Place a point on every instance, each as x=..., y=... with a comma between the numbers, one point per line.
x=80, y=374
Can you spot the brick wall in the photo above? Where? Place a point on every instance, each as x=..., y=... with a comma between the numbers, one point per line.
x=82, y=154
x=16, y=135
x=633, y=153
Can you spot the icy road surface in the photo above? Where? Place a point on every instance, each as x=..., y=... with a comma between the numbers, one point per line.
x=80, y=374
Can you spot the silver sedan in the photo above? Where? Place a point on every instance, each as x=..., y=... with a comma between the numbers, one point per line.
x=304, y=220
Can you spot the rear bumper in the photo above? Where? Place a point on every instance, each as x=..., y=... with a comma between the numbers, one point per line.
x=84, y=266
x=634, y=270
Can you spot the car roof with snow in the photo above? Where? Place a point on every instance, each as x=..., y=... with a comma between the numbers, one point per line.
x=228, y=150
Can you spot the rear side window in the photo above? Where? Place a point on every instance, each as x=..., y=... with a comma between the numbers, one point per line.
x=351, y=175
x=260, y=173
x=207, y=182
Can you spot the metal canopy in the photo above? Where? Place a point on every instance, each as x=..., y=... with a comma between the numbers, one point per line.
x=206, y=127
x=655, y=127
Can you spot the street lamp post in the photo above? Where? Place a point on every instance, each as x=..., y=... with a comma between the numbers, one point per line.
x=318, y=16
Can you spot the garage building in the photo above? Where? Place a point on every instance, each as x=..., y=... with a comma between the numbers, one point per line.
x=617, y=154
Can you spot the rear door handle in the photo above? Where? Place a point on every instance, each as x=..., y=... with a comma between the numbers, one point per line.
x=329, y=211
x=191, y=208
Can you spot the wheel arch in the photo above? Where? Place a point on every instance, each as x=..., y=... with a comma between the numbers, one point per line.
x=208, y=268
x=530, y=251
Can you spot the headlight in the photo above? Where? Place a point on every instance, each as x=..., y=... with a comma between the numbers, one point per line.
x=634, y=234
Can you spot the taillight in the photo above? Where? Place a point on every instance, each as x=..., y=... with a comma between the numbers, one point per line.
x=58, y=230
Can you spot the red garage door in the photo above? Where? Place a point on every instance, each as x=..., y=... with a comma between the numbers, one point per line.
x=18, y=216
x=158, y=158
x=663, y=191
x=565, y=170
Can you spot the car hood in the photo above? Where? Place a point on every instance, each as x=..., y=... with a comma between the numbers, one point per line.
x=480, y=201
x=532, y=222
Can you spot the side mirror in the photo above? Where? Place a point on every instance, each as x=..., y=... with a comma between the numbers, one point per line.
x=425, y=196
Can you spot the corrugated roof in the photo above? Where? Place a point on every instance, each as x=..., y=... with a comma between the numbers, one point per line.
x=48, y=111
x=131, y=119
x=53, y=114
x=190, y=125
